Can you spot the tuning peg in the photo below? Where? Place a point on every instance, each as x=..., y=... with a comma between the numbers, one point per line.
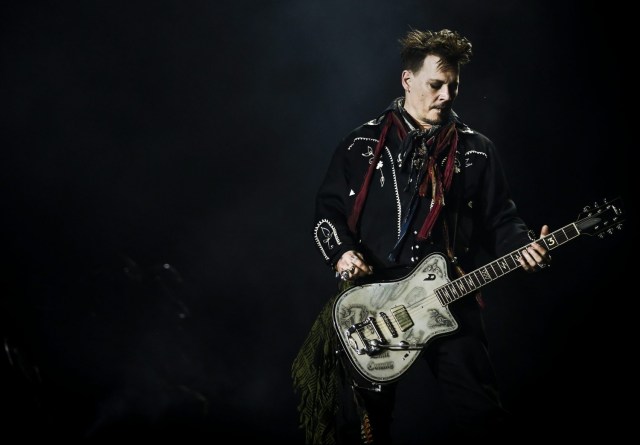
x=586, y=208
x=619, y=226
x=600, y=235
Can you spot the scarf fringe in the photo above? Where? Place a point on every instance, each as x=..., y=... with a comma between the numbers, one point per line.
x=439, y=185
x=317, y=380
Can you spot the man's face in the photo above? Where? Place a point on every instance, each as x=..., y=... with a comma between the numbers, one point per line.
x=429, y=93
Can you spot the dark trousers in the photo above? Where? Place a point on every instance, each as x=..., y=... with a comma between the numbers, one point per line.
x=461, y=365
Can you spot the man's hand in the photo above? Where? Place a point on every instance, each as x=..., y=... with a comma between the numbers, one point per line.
x=351, y=265
x=536, y=256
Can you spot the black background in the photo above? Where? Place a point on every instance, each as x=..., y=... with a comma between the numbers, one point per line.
x=159, y=165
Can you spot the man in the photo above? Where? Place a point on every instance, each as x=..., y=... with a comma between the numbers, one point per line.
x=413, y=181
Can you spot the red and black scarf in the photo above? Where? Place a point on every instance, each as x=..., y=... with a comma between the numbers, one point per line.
x=433, y=179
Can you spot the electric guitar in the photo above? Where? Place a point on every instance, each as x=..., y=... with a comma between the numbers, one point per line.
x=384, y=326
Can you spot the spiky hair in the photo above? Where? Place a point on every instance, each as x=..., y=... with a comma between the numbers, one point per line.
x=450, y=46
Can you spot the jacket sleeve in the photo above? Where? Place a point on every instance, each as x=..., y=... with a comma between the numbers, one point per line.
x=504, y=229
x=334, y=201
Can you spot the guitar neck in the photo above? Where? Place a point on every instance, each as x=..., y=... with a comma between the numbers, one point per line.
x=478, y=278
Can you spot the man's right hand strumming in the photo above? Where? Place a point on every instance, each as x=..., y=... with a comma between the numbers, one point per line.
x=351, y=265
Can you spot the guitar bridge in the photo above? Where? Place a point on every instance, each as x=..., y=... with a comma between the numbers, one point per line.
x=387, y=321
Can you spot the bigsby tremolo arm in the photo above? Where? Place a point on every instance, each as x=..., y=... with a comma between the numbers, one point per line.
x=371, y=346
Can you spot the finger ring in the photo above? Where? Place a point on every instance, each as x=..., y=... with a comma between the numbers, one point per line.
x=344, y=275
x=542, y=265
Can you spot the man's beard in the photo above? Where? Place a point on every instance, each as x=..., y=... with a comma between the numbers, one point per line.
x=445, y=117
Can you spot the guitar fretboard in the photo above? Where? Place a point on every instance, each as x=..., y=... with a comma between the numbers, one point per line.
x=474, y=280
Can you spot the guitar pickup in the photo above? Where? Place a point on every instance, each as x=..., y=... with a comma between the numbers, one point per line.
x=402, y=317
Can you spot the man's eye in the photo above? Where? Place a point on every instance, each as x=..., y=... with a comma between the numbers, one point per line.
x=435, y=86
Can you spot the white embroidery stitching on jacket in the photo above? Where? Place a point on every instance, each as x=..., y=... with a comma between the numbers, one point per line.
x=395, y=188
x=327, y=234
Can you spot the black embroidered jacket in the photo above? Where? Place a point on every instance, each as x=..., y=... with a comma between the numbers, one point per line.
x=478, y=211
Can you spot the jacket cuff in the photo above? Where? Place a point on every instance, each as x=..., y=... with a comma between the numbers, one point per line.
x=330, y=243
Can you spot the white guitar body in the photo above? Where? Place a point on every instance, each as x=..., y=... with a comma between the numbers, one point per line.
x=385, y=325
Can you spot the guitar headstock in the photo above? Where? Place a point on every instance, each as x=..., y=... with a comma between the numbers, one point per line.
x=601, y=218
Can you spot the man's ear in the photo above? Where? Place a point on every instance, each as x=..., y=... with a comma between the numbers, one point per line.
x=406, y=79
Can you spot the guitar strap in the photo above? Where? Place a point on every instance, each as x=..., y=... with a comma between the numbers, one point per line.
x=450, y=243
